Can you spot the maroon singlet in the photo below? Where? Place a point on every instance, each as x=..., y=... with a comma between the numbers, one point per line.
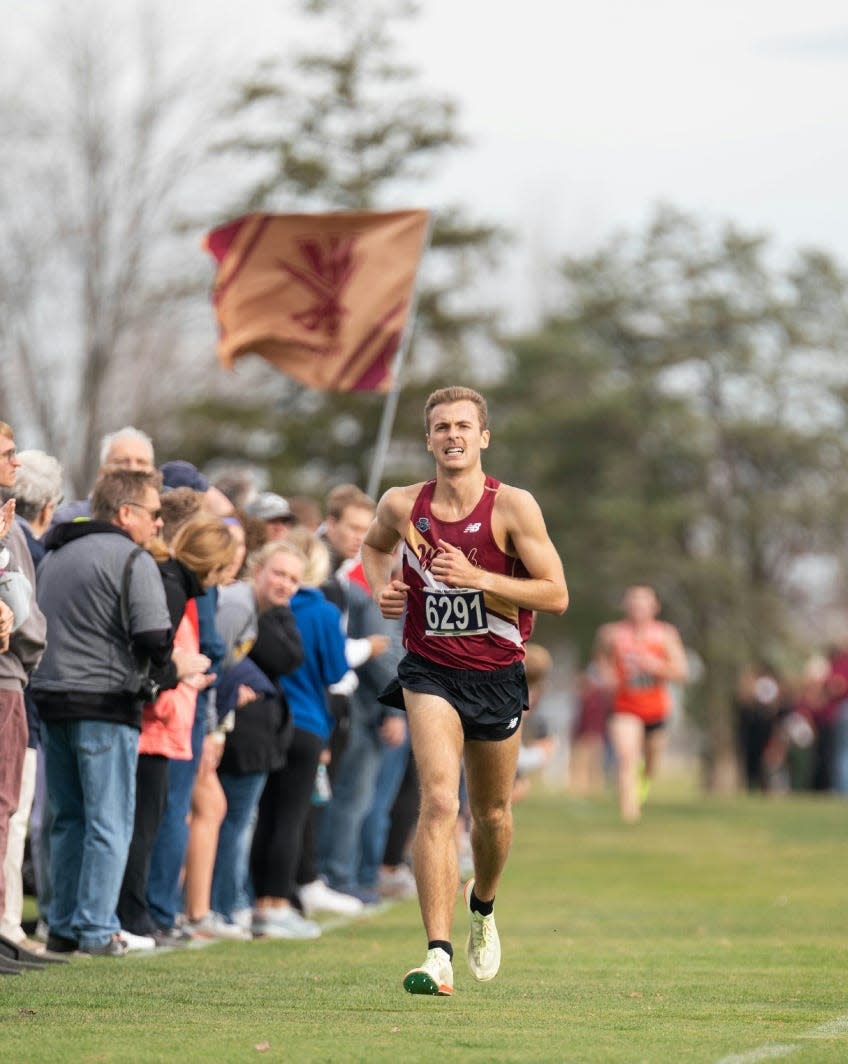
x=460, y=628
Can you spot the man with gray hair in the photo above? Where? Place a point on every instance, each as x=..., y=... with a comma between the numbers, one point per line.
x=126, y=448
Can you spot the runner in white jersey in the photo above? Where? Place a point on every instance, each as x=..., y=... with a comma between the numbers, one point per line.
x=477, y=561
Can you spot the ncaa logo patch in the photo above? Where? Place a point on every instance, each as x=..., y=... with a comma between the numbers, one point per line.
x=423, y=524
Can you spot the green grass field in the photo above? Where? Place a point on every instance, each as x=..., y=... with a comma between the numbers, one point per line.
x=714, y=931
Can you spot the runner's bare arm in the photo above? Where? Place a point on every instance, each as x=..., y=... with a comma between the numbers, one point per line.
x=670, y=666
x=519, y=517
x=377, y=551
x=676, y=664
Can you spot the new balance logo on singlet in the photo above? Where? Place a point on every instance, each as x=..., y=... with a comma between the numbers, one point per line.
x=473, y=527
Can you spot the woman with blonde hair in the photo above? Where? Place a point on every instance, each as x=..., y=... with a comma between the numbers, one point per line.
x=199, y=553
x=262, y=642
x=285, y=804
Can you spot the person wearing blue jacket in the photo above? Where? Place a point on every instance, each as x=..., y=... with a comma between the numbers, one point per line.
x=285, y=804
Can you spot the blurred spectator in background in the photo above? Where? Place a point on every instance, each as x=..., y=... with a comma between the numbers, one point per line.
x=238, y=483
x=24, y=644
x=37, y=491
x=275, y=511
x=831, y=723
x=182, y=474
x=537, y=745
x=307, y=511
x=282, y=857
x=126, y=448
x=757, y=704
x=586, y=774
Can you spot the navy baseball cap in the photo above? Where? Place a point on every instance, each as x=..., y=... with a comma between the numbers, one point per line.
x=180, y=474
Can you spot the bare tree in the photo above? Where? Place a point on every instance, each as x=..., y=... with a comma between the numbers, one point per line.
x=92, y=294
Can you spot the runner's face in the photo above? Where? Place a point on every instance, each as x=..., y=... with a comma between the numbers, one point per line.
x=455, y=438
x=640, y=604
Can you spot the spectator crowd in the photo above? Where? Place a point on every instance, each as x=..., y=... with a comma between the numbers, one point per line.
x=191, y=745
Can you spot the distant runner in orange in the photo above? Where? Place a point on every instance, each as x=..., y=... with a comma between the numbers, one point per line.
x=638, y=657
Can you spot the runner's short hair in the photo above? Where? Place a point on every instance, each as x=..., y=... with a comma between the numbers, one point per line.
x=457, y=394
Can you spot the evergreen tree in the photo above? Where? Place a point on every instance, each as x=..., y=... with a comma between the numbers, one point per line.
x=683, y=421
x=345, y=126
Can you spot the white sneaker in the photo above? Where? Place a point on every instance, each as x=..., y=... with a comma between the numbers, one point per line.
x=213, y=925
x=284, y=922
x=397, y=882
x=317, y=897
x=136, y=943
x=483, y=948
x=434, y=977
x=244, y=918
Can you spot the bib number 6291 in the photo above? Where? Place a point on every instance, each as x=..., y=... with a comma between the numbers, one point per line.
x=454, y=611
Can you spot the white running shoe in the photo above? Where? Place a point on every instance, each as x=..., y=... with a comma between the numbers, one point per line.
x=213, y=925
x=483, y=948
x=397, y=882
x=244, y=918
x=136, y=943
x=283, y=922
x=434, y=977
x=317, y=897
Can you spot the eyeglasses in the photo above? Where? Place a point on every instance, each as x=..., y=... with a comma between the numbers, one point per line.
x=10, y=455
x=154, y=514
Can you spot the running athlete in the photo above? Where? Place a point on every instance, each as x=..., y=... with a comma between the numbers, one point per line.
x=638, y=657
x=477, y=561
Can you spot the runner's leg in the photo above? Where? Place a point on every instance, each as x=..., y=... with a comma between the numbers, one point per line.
x=626, y=734
x=436, y=735
x=490, y=774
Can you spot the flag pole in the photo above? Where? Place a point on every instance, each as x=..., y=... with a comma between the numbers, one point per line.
x=384, y=435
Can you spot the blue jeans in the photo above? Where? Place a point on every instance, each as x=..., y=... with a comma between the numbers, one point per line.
x=164, y=899
x=353, y=795
x=91, y=768
x=375, y=829
x=230, y=891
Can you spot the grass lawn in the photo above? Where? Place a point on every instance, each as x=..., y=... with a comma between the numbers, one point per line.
x=714, y=931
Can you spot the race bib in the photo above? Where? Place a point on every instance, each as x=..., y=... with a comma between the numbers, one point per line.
x=454, y=611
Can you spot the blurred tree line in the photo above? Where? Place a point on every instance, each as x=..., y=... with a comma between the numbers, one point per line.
x=680, y=414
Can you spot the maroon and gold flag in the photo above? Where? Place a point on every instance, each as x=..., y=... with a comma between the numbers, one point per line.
x=323, y=297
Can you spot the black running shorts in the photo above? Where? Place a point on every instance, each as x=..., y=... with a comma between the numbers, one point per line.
x=489, y=703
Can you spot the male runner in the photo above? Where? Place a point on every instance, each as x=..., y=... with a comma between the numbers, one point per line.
x=477, y=561
x=638, y=657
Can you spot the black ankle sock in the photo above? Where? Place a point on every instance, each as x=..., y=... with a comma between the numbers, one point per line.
x=438, y=944
x=484, y=908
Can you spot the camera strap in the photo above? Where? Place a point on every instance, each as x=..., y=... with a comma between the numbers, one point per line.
x=142, y=667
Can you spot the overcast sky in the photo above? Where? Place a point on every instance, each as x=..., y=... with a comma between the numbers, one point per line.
x=583, y=116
